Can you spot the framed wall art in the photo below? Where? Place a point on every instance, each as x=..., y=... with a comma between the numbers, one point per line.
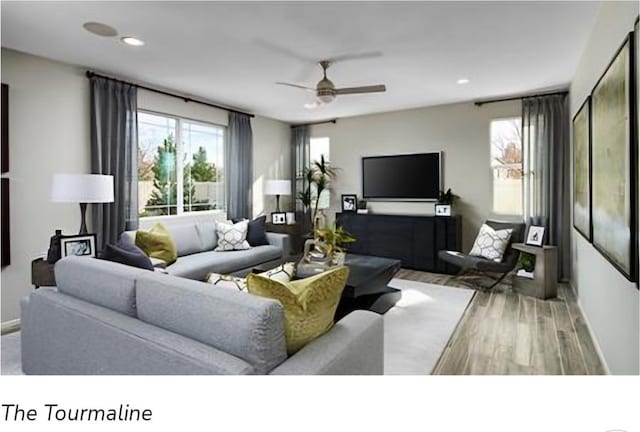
x=582, y=170
x=614, y=163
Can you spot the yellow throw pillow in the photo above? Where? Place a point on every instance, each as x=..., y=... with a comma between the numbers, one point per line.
x=157, y=243
x=309, y=304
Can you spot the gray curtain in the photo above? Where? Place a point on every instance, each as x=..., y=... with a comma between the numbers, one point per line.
x=300, y=159
x=114, y=149
x=545, y=136
x=239, y=166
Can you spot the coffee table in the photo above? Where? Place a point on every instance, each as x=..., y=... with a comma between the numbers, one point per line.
x=366, y=287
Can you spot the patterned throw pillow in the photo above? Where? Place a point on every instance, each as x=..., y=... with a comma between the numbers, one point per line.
x=491, y=244
x=232, y=236
x=282, y=273
x=309, y=304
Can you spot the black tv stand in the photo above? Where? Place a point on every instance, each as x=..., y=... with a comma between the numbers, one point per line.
x=414, y=240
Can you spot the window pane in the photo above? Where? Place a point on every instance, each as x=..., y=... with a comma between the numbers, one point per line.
x=156, y=165
x=319, y=147
x=506, y=163
x=202, y=162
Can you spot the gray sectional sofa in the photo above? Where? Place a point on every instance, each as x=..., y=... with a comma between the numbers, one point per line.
x=196, y=240
x=107, y=318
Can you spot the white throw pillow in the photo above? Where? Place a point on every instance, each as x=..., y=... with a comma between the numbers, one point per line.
x=282, y=273
x=491, y=244
x=232, y=236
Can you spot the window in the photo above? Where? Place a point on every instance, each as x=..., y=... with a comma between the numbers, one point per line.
x=319, y=147
x=506, y=164
x=180, y=164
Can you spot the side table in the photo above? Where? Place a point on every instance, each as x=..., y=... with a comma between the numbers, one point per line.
x=42, y=273
x=544, y=284
x=294, y=232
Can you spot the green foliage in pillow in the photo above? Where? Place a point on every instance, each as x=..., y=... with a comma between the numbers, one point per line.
x=309, y=304
x=157, y=243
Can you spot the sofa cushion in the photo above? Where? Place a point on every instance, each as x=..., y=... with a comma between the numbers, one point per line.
x=309, y=304
x=127, y=253
x=100, y=282
x=208, y=236
x=245, y=326
x=186, y=238
x=198, y=265
x=157, y=243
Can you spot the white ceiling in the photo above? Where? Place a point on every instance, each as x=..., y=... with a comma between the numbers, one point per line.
x=233, y=53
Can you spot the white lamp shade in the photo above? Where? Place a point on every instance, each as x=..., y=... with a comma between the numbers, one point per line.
x=82, y=188
x=277, y=187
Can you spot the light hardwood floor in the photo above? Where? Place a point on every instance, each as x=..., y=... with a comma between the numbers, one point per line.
x=505, y=333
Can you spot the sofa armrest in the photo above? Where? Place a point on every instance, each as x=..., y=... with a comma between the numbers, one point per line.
x=280, y=240
x=354, y=346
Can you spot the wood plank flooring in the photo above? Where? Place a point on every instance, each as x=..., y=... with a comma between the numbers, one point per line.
x=505, y=333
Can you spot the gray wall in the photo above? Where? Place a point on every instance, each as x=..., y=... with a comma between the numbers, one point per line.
x=49, y=133
x=609, y=301
x=461, y=131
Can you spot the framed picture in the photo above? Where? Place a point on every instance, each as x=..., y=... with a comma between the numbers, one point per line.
x=78, y=245
x=615, y=163
x=535, y=235
x=349, y=203
x=279, y=218
x=5, y=236
x=443, y=210
x=582, y=170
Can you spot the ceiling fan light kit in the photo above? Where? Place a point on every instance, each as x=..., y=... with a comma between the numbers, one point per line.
x=326, y=91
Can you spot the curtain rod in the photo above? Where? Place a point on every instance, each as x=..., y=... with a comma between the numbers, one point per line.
x=334, y=121
x=488, y=101
x=184, y=98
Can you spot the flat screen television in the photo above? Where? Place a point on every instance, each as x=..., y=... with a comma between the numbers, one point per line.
x=409, y=177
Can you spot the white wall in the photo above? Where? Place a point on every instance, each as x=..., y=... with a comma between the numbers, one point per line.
x=50, y=133
x=460, y=131
x=271, y=161
x=609, y=300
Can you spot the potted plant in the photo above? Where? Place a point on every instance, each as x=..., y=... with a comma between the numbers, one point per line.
x=362, y=206
x=317, y=179
x=335, y=237
x=445, y=203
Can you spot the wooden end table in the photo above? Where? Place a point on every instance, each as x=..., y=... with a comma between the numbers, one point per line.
x=42, y=273
x=294, y=232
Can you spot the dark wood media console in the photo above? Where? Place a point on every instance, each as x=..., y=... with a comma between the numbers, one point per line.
x=414, y=240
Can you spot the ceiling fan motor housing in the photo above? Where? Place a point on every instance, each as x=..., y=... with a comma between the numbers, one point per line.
x=325, y=90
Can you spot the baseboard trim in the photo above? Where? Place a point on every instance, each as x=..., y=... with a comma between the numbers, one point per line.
x=10, y=326
x=590, y=329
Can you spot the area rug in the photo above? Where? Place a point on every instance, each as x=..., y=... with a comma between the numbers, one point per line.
x=418, y=328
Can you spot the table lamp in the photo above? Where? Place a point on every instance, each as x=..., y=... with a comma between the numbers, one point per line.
x=82, y=189
x=277, y=188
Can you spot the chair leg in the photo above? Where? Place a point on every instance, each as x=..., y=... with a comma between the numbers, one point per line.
x=498, y=281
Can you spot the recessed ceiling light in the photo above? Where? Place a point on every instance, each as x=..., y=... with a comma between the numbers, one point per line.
x=100, y=29
x=463, y=81
x=132, y=41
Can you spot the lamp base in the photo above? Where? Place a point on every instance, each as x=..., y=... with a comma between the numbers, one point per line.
x=83, y=218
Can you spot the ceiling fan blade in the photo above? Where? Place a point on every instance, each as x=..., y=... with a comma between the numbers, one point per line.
x=296, y=86
x=363, y=89
x=355, y=56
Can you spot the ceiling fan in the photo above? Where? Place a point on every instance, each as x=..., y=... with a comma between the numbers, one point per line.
x=326, y=91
